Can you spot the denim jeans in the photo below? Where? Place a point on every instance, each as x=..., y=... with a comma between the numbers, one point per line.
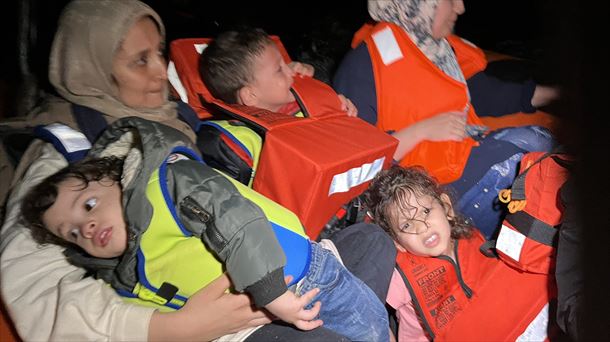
x=349, y=307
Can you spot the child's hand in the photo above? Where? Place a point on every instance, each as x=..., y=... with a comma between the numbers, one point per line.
x=302, y=68
x=290, y=308
x=348, y=106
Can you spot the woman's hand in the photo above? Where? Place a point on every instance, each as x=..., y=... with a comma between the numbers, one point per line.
x=543, y=95
x=302, y=68
x=348, y=106
x=441, y=127
x=208, y=314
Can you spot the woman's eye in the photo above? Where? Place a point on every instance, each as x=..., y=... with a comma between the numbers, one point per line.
x=74, y=234
x=90, y=203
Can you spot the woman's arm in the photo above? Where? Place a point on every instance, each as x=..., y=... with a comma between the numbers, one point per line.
x=47, y=297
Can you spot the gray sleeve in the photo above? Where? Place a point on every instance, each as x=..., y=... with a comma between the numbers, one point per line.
x=232, y=226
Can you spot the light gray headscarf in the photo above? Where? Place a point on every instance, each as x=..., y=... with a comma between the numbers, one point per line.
x=80, y=66
x=416, y=17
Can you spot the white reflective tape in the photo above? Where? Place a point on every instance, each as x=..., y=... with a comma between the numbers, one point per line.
x=200, y=47
x=387, y=46
x=510, y=242
x=71, y=139
x=343, y=182
x=536, y=330
x=174, y=80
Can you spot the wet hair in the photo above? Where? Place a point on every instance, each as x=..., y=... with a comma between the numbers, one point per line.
x=40, y=198
x=225, y=66
x=392, y=188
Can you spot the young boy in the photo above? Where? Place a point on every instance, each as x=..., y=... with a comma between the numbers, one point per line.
x=245, y=67
x=81, y=205
x=444, y=287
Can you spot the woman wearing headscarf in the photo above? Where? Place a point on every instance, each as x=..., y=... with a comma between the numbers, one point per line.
x=106, y=63
x=405, y=78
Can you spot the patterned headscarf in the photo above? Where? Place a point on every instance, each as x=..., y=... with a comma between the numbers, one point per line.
x=80, y=64
x=416, y=17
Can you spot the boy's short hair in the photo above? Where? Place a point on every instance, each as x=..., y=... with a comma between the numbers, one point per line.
x=40, y=198
x=392, y=188
x=225, y=66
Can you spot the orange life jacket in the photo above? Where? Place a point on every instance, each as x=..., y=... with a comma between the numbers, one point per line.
x=469, y=56
x=472, y=59
x=310, y=165
x=478, y=298
x=528, y=237
x=427, y=92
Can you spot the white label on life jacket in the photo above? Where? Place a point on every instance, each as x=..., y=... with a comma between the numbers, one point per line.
x=71, y=139
x=200, y=47
x=536, y=330
x=387, y=46
x=343, y=182
x=510, y=242
x=174, y=80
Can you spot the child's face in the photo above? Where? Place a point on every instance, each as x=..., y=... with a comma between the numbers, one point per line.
x=91, y=218
x=423, y=229
x=272, y=79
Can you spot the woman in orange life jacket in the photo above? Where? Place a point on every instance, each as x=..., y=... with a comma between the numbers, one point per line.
x=405, y=79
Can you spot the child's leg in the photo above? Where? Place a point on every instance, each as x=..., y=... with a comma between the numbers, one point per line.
x=349, y=307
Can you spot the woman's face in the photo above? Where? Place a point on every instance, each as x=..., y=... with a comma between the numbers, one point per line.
x=139, y=68
x=445, y=16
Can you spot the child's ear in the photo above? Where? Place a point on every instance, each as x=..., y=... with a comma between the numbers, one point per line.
x=246, y=96
x=447, y=205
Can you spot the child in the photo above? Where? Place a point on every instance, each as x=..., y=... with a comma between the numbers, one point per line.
x=245, y=67
x=81, y=205
x=441, y=275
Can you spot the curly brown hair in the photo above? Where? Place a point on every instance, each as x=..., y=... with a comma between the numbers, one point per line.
x=392, y=188
x=42, y=196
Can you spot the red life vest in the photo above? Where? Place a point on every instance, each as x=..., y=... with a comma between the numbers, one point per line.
x=528, y=237
x=476, y=298
x=428, y=91
x=311, y=165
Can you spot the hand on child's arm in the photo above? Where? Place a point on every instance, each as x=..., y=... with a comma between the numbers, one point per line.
x=348, y=106
x=302, y=68
x=210, y=313
x=290, y=308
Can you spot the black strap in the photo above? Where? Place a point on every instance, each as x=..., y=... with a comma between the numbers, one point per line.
x=90, y=121
x=488, y=249
x=533, y=228
x=188, y=115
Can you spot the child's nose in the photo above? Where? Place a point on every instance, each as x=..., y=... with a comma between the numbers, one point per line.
x=88, y=229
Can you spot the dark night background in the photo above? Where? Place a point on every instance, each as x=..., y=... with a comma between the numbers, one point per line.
x=560, y=39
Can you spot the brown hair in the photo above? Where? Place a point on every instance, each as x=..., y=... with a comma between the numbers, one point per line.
x=42, y=196
x=225, y=66
x=393, y=187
